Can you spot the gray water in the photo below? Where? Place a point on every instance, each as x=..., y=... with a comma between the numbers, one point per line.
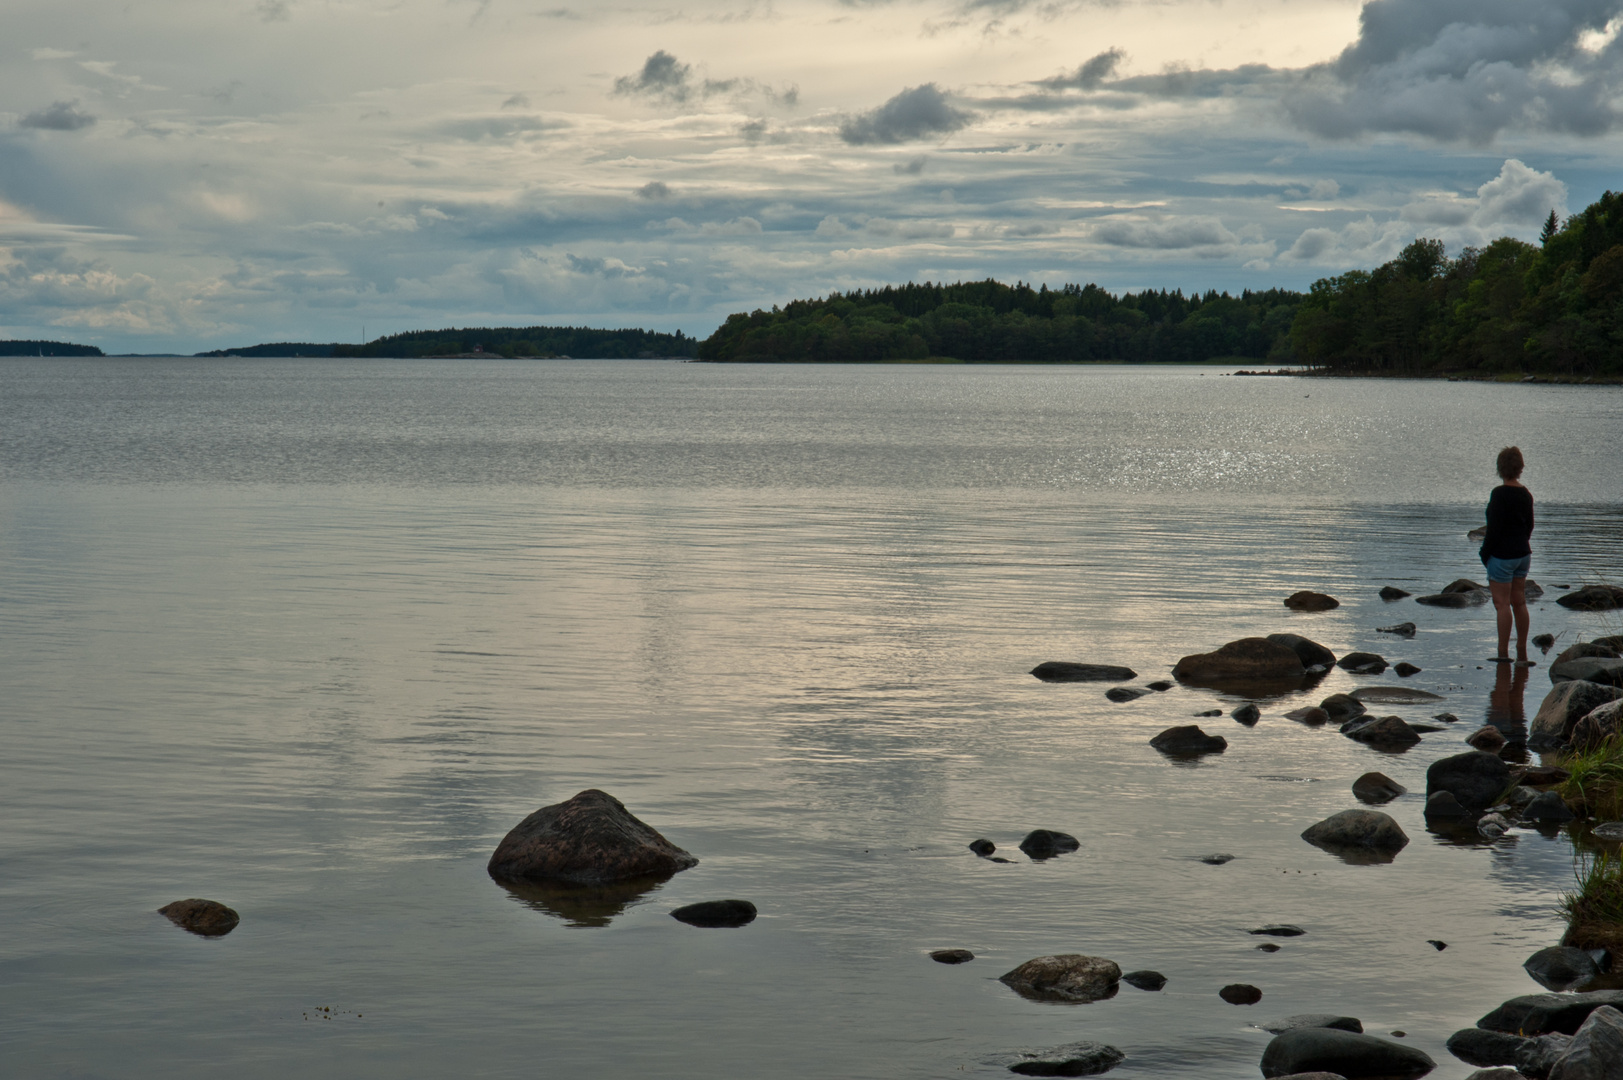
x=308, y=637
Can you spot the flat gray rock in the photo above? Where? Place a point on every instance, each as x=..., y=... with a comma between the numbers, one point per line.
x=1077, y=1059
x=1313, y=1020
x=1358, y=832
x=1346, y=1053
x=1393, y=695
x=1065, y=671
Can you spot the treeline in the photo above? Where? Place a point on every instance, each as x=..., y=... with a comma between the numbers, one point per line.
x=276, y=348
x=990, y=322
x=536, y=341
x=47, y=348
x=1554, y=307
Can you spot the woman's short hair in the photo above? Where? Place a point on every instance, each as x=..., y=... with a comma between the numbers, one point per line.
x=1510, y=463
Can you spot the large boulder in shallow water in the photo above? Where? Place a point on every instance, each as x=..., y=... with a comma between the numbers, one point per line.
x=1595, y=669
x=1582, y=649
x=1362, y=663
x=1560, y=967
x=1309, y=652
x=1357, y=831
x=1593, y=598
x=1311, y=601
x=590, y=839
x=1252, y=659
x=1475, y=779
x=1345, y=1053
x=1066, y=977
x=1065, y=671
x=1566, y=704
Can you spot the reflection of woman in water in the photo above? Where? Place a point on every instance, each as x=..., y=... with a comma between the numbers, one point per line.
x=1508, y=553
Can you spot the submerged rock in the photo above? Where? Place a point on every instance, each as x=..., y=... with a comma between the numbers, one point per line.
x=1077, y=1059
x=1405, y=669
x=1188, y=739
x=1345, y=1053
x=1593, y=598
x=1362, y=663
x=1377, y=788
x=1307, y=600
x=1392, y=592
x=1218, y=859
x=1066, y=977
x=1145, y=980
x=206, y=918
x=1308, y=651
x=1402, y=629
x=716, y=913
x=1313, y=1020
x=1389, y=732
x=952, y=956
x=1475, y=779
x=1046, y=843
x=1247, y=714
x=1065, y=671
x=1248, y=659
x=1240, y=994
x=592, y=838
x=1120, y=694
x=1562, y=708
x=1357, y=831
x=1547, y=806
x=1393, y=695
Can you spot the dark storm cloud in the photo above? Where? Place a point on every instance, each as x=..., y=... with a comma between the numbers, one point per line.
x=916, y=113
x=1092, y=72
x=61, y=116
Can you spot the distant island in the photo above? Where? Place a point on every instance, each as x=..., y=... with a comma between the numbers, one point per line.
x=47, y=348
x=532, y=341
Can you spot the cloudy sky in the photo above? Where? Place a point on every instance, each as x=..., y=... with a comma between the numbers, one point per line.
x=188, y=175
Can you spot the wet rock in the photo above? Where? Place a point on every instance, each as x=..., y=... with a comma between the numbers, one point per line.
x=1145, y=980
x=1599, y=725
x=1532, y=1057
x=1342, y=707
x=1475, y=779
x=1344, y=1052
x=1540, y=1014
x=1188, y=739
x=1248, y=659
x=206, y=918
x=1584, y=650
x=716, y=913
x=1532, y=590
x=1595, y=669
x=1064, y=671
x=1247, y=714
x=1267, y=946
x=1392, y=592
x=1393, y=695
x=1446, y=717
x=1438, y=945
x=1543, y=775
x=1614, y=641
x=1046, y=843
x=1596, y=1052
x=1454, y=599
x=1311, y=601
x=1609, y=831
x=1520, y=795
x=1066, y=977
x=1308, y=651
x=983, y=848
x=1387, y=733
x=592, y=838
x=1547, y=807
x=1463, y=585
x=1544, y=642
x=1405, y=669
x=1313, y=1020
x=1362, y=663
x=1240, y=994
x=1357, y=831
x=1402, y=629
x=1161, y=685
x=1560, y=967
x=952, y=956
x=1278, y=930
x=1566, y=704
x=1217, y=860
x=1121, y=694
x=1593, y=598
x=1442, y=806
x=1312, y=715
x=1210, y=712
x=1377, y=788
x=1493, y=826
x=1426, y=727
x=1077, y=1059
x=1488, y=738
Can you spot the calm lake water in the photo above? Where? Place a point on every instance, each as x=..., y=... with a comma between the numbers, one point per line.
x=308, y=637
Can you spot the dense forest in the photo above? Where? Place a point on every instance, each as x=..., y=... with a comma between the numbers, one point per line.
x=1555, y=306
x=276, y=348
x=539, y=341
x=989, y=322
x=47, y=348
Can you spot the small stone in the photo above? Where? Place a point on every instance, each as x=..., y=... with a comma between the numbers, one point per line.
x=1064, y=671
x=1210, y=712
x=1046, y=843
x=982, y=848
x=1188, y=739
x=1160, y=685
x=1145, y=980
x=1487, y=738
x=1066, y=977
x=206, y=918
x=1376, y=788
x=1391, y=592
x=1240, y=994
x=1311, y=601
x=1362, y=663
x=1405, y=669
x=1121, y=694
x=590, y=839
x=1544, y=642
x=1402, y=629
x=716, y=913
x=1342, y=707
x=1247, y=714
x=1438, y=945
x=1278, y=930
x=1493, y=826
x=952, y=956
x=1267, y=946
x=1312, y=715
x=1216, y=860
x=1446, y=717
x=1387, y=732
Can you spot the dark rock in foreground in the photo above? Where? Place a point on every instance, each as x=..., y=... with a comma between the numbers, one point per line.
x=1405, y=669
x=1308, y=651
x=206, y=918
x=1353, y=831
x=1389, y=732
x=1306, y=600
x=1362, y=663
x=1120, y=694
x=1596, y=1052
x=1566, y=704
x=1077, y=1059
x=592, y=838
x=1249, y=659
x=1240, y=994
x=952, y=956
x=1532, y=1057
x=1313, y=1020
x=1377, y=788
x=1064, y=671
x=1540, y=1014
x=1547, y=806
x=1346, y=1053
x=983, y=848
x=1392, y=592
x=1046, y=843
x=1188, y=739
x=1560, y=967
x=1593, y=598
x=1145, y=980
x=716, y=913
x=1066, y=977
x=1475, y=779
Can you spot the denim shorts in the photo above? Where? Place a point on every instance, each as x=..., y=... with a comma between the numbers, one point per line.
x=1503, y=570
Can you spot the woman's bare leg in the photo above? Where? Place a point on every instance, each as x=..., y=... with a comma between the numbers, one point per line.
x=1500, y=591
x=1518, y=607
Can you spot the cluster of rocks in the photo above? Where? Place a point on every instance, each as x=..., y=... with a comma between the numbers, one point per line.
x=1581, y=710
x=1547, y=1037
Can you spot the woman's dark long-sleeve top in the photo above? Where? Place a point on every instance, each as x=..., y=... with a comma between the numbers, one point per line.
x=1510, y=523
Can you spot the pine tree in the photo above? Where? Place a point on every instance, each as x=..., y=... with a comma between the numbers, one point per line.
x=1551, y=224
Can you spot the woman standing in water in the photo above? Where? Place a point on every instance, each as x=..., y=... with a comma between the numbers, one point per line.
x=1508, y=553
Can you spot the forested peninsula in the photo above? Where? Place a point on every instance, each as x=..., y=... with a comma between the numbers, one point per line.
x=1555, y=307
x=536, y=341
x=47, y=348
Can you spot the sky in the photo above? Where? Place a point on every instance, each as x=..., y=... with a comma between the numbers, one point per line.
x=178, y=175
